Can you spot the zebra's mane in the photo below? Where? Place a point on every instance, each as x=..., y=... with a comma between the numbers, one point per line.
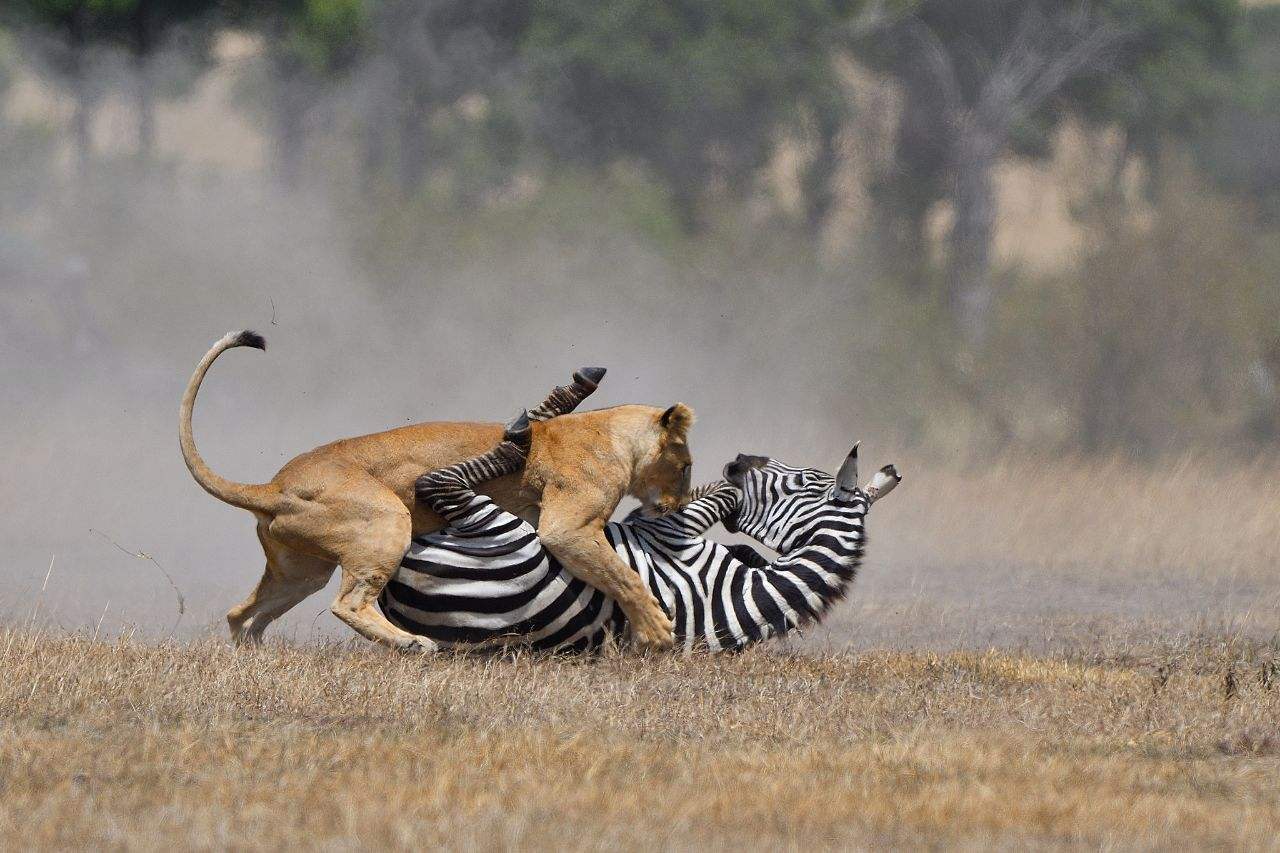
x=705, y=489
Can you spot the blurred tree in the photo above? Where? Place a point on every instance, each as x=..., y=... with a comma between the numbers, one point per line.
x=426, y=55
x=58, y=36
x=143, y=27
x=70, y=30
x=973, y=71
x=985, y=78
x=1239, y=148
x=310, y=44
x=1159, y=335
x=27, y=147
x=1167, y=82
x=695, y=89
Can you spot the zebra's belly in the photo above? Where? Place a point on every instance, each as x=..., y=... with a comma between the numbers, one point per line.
x=508, y=590
x=504, y=596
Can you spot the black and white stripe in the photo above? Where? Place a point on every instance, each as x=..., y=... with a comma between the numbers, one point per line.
x=487, y=579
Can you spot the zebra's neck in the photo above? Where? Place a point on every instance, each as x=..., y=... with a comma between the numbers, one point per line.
x=718, y=598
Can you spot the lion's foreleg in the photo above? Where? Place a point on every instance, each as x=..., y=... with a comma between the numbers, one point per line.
x=574, y=534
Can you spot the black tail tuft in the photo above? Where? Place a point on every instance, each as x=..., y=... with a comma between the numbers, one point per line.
x=249, y=338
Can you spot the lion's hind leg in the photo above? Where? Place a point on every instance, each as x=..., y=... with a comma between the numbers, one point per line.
x=289, y=577
x=368, y=529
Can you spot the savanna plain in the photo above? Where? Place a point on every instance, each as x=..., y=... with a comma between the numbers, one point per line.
x=1063, y=655
x=956, y=230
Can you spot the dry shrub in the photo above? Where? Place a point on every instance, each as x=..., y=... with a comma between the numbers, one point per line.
x=1251, y=741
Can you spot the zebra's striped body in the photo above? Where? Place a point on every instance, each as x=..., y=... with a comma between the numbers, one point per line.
x=486, y=578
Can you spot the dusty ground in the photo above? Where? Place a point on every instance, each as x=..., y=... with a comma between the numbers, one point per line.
x=125, y=744
x=1027, y=555
x=1075, y=654
x=1072, y=553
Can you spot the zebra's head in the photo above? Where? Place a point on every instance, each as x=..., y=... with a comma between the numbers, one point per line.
x=782, y=506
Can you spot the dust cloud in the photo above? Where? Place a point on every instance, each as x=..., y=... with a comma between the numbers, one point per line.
x=131, y=275
x=90, y=443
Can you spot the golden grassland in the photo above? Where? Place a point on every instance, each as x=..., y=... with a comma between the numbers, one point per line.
x=1192, y=517
x=125, y=744
x=1160, y=729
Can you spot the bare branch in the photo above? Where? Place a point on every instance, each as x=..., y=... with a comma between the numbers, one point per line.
x=1090, y=47
x=873, y=18
x=939, y=63
x=1042, y=57
x=142, y=555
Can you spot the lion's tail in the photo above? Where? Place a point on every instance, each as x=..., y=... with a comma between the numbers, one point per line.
x=246, y=496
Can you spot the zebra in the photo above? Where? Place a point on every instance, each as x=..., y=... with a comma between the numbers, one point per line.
x=485, y=579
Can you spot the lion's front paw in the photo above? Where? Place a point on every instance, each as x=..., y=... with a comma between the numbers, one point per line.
x=420, y=646
x=654, y=632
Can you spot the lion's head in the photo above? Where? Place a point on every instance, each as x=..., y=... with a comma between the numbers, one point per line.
x=663, y=476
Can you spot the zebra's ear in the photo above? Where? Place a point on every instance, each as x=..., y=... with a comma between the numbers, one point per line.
x=884, y=481
x=847, y=476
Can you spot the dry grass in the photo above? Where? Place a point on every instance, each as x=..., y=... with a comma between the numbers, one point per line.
x=1105, y=717
x=125, y=744
x=1187, y=517
x=1056, y=555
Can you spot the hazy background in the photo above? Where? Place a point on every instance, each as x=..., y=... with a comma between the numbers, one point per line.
x=1027, y=251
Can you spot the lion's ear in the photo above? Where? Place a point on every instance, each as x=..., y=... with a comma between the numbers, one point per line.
x=677, y=419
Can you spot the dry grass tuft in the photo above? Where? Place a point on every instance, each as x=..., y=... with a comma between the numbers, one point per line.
x=1251, y=741
x=132, y=745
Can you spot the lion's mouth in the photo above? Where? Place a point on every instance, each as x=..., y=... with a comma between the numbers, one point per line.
x=659, y=508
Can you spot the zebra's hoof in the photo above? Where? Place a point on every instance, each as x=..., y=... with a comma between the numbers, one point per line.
x=589, y=376
x=517, y=427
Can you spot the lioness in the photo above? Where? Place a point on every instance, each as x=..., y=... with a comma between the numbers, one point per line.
x=351, y=503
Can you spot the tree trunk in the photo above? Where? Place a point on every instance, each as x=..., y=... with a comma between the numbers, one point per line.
x=1095, y=397
x=144, y=90
x=684, y=200
x=291, y=101
x=290, y=137
x=146, y=116
x=81, y=120
x=375, y=151
x=974, y=203
x=902, y=234
x=819, y=177
x=413, y=149
x=82, y=111
x=146, y=107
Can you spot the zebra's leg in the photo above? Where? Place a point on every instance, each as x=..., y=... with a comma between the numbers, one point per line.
x=566, y=398
x=707, y=504
x=450, y=491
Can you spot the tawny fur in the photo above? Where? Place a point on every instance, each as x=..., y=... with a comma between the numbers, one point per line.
x=351, y=503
